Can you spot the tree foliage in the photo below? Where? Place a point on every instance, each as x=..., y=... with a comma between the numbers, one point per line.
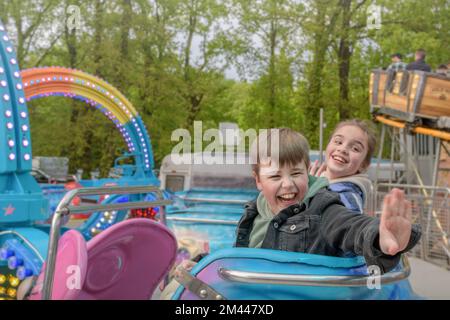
x=173, y=59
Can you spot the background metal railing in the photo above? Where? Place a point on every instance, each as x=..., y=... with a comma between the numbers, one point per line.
x=430, y=209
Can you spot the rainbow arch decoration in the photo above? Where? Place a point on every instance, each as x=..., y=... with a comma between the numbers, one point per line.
x=76, y=84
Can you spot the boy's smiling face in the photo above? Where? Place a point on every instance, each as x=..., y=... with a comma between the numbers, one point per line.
x=282, y=186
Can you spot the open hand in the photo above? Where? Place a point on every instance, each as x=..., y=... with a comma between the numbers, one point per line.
x=316, y=170
x=395, y=224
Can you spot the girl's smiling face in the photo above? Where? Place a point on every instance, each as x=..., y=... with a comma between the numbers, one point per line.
x=282, y=187
x=346, y=152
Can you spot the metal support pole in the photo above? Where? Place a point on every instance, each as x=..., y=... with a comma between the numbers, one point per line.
x=435, y=178
x=393, y=137
x=436, y=163
x=380, y=155
x=321, y=136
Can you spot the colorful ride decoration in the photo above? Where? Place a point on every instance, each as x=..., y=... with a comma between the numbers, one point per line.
x=57, y=81
x=8, y=287
x=97, y=222
x=24, y=205
x=75, y=84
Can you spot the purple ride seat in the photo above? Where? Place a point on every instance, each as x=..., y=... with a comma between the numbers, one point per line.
x=126, y=261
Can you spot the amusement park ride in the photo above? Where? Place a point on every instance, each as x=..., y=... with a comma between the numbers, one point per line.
x=113, y=257
x=75, y=84
x=414, y=109
x=26, y=241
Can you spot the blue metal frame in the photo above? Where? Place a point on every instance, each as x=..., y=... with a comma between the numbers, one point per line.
x=21, y=199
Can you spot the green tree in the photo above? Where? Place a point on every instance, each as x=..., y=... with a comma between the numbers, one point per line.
x=265, y=43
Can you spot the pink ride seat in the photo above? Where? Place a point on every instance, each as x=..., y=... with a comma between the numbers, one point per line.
x=126, y=261
x=71, y=260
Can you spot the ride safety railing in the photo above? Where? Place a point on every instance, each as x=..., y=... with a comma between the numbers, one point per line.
x=64, y=209
x=314, y=280
x=430, y=209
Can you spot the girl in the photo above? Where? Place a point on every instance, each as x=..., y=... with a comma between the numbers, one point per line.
x=347, y=158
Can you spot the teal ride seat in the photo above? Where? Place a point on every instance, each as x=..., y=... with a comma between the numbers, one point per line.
x=239, y=273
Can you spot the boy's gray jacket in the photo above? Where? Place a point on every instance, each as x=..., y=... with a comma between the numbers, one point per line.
x=323, y=225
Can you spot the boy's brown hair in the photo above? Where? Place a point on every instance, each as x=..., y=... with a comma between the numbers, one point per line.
x=368, y=129
x=282, y=145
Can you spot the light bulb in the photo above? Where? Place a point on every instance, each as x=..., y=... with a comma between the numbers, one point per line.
x=14, y=281
x=11, y=292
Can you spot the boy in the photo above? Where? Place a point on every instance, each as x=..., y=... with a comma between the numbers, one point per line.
x=296, y=212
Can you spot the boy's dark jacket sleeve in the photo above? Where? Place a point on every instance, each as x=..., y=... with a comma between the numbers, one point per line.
x=343, y=229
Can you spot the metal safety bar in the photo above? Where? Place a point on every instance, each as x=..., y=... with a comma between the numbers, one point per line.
x=214, y=200
x=64, y=209
x=200, y=220
x=314, y=280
